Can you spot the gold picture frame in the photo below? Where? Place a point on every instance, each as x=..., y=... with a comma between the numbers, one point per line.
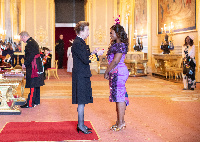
x=174, y=20
x=140, y=18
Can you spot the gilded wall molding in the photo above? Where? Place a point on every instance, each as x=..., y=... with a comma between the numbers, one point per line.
x=52, y=29
x=47, y=16
x=41, y=36
x=100, y=19
x=89, y=3
x=126, y=12
x=23, y=21
x=100, y=35
x=34, y=15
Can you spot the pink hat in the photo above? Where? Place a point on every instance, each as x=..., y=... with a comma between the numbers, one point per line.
x=192, y=37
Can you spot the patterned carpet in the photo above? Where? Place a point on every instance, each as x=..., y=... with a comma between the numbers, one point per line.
x=148, y=86
x=153, y=114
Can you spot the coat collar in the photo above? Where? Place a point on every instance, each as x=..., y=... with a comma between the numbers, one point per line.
x=80, y=39
x=30, y=39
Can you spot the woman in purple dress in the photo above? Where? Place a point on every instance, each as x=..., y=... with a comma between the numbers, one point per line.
x=117, y=73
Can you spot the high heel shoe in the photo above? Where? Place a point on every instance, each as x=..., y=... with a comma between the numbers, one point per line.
x=87, y=128
x=113, y=126
x=85, y=132
x=123, y=126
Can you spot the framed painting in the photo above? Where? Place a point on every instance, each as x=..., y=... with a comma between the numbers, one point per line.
x=140, y=17
x=176, y=16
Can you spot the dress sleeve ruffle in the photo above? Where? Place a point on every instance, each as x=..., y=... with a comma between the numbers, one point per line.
x=119, y=48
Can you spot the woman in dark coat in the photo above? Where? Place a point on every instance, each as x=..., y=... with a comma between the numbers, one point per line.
x=81, y=84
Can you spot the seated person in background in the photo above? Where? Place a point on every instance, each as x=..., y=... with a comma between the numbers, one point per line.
x=3, y=47
x=9, y=46
x=8, y=50
x=18, y=48
x=6, y=61
x=46, y=58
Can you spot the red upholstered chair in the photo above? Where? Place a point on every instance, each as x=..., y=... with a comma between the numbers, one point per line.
x=54, y=70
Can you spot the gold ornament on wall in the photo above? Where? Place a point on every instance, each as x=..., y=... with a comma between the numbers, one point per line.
x=41, y=36
x=100, y=36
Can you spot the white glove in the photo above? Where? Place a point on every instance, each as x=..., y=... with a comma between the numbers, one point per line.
x=95, y=50
x=100, y=52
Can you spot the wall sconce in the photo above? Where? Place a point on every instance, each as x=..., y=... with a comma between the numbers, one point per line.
x=2, y=33
x=16, y=37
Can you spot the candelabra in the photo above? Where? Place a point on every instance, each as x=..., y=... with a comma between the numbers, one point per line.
x=167, y=41
x=138, y=46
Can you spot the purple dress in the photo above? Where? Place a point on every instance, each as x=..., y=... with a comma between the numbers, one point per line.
x=119, y=75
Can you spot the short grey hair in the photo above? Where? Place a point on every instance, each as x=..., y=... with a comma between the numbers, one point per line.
x=24, y=33
x=80, y=26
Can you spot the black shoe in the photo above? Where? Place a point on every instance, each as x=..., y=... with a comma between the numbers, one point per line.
x=25, y=106
x=85, y=132
x=87, y=128
x=191, y=88
x=35, y=105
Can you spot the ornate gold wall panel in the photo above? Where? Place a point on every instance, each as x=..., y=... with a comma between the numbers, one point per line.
x=40, y=22
x=126, y=12
x=2, y=14
x=99, y=13
x=15, y=10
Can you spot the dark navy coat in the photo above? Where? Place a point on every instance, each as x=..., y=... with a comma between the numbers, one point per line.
x=81, y=84
x=32, y=49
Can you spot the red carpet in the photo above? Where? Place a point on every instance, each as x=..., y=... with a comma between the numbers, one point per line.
x=45, y=131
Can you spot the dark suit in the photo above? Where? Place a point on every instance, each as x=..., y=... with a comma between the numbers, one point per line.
x=60, y=51
x=32, y=82
x=81, y=84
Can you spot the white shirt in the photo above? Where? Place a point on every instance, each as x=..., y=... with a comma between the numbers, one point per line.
x=191, y=51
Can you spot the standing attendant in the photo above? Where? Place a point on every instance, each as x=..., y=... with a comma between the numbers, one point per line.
x=81, y=84
x=117, y=73
x=60, y=51
x=34, y=70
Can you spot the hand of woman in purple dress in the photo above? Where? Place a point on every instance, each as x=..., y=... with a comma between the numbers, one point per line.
x=106, y=76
